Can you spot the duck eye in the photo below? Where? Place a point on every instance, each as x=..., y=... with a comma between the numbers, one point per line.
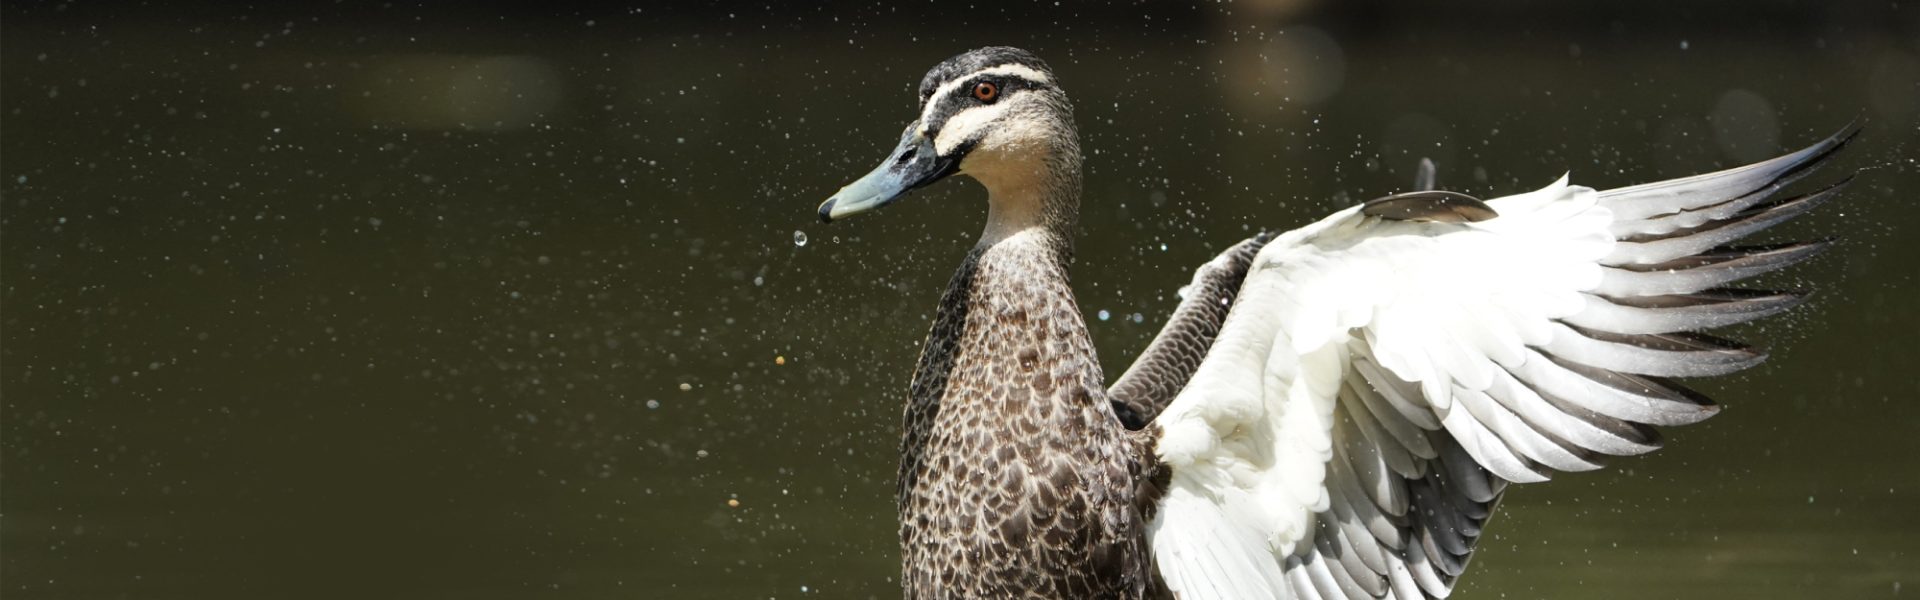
x=986, y=91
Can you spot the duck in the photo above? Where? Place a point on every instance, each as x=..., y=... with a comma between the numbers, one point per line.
x=1330, y=412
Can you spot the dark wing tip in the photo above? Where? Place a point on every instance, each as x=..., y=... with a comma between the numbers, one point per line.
x=1819, y=151
x=1851, y=130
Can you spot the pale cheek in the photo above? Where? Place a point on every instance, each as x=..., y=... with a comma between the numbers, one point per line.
x=1005, y=157
x=1014, y=142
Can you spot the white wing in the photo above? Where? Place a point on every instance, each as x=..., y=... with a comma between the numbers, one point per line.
x=1379, y=382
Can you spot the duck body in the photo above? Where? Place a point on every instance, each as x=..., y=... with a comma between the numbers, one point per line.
x=1331, y=413
x=1016, y=478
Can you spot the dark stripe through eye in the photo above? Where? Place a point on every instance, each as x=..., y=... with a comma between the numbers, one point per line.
x=980, y=89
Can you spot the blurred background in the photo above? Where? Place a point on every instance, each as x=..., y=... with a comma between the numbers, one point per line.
x=483, y=300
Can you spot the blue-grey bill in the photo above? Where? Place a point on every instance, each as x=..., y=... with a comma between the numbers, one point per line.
x=912, y=164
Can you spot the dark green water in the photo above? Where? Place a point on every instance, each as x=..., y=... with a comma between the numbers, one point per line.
x=408, y=302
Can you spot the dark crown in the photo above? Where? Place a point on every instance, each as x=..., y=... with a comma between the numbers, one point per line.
x=968, y=62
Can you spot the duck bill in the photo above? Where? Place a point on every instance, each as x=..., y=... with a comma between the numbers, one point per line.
x=911, y=165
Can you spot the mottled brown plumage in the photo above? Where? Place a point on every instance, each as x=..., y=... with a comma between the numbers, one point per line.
x=1016, y=479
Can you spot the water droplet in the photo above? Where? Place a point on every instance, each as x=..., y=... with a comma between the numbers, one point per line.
x=799, y=238
x=1104, y=315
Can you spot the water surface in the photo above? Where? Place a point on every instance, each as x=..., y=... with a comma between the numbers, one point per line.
x=490, y=303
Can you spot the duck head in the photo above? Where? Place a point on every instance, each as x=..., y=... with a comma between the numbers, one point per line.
x=995, y=114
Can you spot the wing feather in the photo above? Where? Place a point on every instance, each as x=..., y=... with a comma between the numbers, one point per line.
x=1694, y=240
x=1384, y=374
x=1679, y=354
x=1701, y=271
x=1163, y=368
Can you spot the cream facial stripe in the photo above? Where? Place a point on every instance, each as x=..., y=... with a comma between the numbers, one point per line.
x=933, y=100
x=961, y=126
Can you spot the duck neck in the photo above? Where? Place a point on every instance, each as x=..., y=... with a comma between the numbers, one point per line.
x=1033, y=195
